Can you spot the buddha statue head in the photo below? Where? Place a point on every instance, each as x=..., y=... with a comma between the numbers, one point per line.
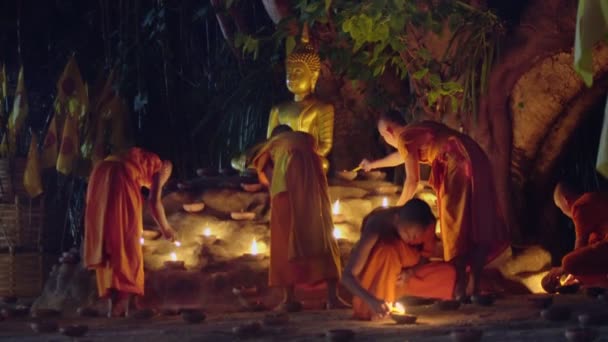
x=303, y=66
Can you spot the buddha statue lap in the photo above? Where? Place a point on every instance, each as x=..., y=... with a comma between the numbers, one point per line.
x=305, y=113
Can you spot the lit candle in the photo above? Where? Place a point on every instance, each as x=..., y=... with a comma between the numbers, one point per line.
x=254, y=247
x=336, y=208
x=207, y=232
x=141, y=241
x=173, y=256
x=337, y=233
x=385, y=202
x=178, y=244
x=398, y=308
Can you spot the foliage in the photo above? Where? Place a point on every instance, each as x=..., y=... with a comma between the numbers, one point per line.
x=373, y=37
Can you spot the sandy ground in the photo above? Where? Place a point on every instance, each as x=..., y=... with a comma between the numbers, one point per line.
x=509, y=319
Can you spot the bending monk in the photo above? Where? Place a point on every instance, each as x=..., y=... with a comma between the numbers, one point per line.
x=392, y=260
x=472, y=230
x=302, y=248
x=587, y=263
x=114, y=223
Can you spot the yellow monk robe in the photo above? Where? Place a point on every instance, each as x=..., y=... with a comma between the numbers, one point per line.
x=113, y=220
x=302, y=248
x=388, y=257
x=590, y=263
x=461, y=175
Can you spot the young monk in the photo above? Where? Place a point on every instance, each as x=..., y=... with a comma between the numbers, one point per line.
x=472, y=230
x=302, y=248
x=395, y=247
x=588, y=262
x=114, y=223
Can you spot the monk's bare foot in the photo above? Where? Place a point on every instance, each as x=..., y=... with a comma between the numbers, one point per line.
x=337, y=304
x=289, y=306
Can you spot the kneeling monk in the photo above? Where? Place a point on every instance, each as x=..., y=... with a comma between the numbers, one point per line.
x=302, y=248
x=114, y=222
x=394, y=248
x=588, y=262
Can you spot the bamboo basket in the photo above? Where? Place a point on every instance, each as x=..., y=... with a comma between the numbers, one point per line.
x=21, y=224
x=22, y=274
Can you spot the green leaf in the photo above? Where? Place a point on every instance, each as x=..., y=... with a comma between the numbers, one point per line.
x=432, y=97
x=420, y=73
x=454, y=104
x=435, y=80
x=311, y=8
x=327, y=5
x=452, y=87
x=290, y=44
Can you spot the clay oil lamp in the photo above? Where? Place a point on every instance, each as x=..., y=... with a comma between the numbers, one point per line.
x=194, y=207
x=207, y=237
x=399, y=316
x=482, y=300
x=193, y=316
x=447, y=305
x=336, y=212
x=242, y=215
x=339, y=335
x=556, y=313
x=580, y=334
x=541, y=302
x=337, y=233
x=276, y=319
x=75, y=330
x=466, y=335
x=175, y=264
x=566, y=288
x=254, y=253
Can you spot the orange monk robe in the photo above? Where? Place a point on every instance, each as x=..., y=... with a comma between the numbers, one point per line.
x=114, y=222
x=461, y=175
x=590, y=263
x=302, y=248
x=388, y=257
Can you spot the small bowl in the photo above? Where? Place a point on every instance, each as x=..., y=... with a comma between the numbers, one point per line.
x=347, y=175
x=175, y=265
x=556, y=313
x=276, y=319
x=75, y=330
x=594, y=292
x=255, y=187
x=194, y=207
x=568, y=289
x=87, y=312
x=403, y=319
x=193, y=316
x=374, y=175
x=587, y=319
x=242, y=216
x=339, y=335
x=447, y=305
x=580, y=334
x=482, y=300
x=43, y=327
x=541, y=302
x=466, y=335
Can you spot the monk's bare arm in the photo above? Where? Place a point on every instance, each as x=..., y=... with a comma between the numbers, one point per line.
x=358, y=259
x=412, y=178
x=393, y=159
x=156, y=206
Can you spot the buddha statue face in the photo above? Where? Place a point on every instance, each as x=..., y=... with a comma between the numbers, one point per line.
x=300, y=80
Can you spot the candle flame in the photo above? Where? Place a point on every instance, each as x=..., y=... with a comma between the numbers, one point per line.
x=178, y=244
x=336, y=207
x=141, y=241
x=254, y=247
x=385, y=202
x=173, y=256
x=337, y=233
x=207, y=231
x=398, y=308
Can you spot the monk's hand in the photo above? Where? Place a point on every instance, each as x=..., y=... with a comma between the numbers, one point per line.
x=379, y=307
x=169, y=233
x=366, y=165
x=404, y=276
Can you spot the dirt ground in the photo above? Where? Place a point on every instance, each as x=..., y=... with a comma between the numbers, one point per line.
x=509, y=319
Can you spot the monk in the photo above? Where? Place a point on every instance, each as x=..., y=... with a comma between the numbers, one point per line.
x=302, y=248
x=472, y=231
x=587, y=263
x=114, y=223
x=392, y=260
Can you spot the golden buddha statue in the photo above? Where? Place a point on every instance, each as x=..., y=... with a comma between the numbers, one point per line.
x=305, y=113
